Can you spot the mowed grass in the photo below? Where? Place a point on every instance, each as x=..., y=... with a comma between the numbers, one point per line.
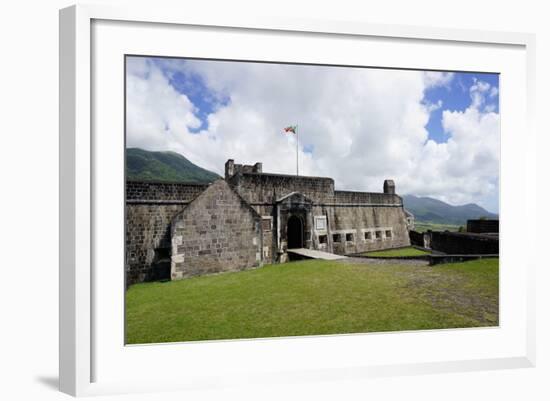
x=314, y=297
x=408, y=251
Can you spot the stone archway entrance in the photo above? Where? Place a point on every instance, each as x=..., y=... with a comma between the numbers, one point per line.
x=294, y=224
x=295, y=233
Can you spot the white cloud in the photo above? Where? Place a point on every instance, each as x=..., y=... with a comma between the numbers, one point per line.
x=365, y=125
x=157, y=116
x=437, y=78
x=469, y=161
x=431, y=107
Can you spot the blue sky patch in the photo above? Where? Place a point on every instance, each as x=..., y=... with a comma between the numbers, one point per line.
x=455, y=97
x=308, y=148
x=193, y=86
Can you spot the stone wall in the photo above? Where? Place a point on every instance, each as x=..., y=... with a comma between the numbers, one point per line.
x=373, y=198
x=482, y=226
x=217, y=232
x=354, y=229
x=417, y=238
x=267, y=188
x=150, y=208
x=461, y=243
x=162, y=191
x=148, y=241
x=177, y=230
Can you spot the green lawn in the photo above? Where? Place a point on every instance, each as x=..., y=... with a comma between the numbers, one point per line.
x=408, y=251
x=314, y=297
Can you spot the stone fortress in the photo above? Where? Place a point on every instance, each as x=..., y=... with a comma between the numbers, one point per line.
x=251, y=218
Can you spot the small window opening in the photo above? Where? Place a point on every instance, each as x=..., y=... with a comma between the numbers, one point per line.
x=266, y=224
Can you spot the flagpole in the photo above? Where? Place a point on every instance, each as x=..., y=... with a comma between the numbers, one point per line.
x=296, y=129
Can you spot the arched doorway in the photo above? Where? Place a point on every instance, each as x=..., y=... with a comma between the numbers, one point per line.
x=295, y=233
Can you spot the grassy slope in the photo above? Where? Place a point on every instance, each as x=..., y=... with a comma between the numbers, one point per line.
x=314, y=297
x=409, y=251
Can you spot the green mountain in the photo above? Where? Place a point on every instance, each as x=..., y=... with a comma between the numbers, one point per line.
x=432, y=210
x=164, y=166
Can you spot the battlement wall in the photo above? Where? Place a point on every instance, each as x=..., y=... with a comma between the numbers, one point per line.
x=482, y=226
x=371, y=198
x=457, y=243
x=162, y=191
x=267, y=188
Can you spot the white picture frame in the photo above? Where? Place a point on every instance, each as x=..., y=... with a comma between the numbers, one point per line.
x=83, y=327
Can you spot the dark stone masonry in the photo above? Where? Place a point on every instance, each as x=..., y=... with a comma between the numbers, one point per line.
x=456, y=243
x=162, y=191
x=483, y=226
x=217, y=232
x=150, y=209
x=251, y=218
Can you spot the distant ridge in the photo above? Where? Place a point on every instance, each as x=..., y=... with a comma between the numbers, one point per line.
x=164, y=166
x=432, y=210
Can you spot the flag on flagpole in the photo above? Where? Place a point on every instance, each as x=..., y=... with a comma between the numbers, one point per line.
x=290, y=128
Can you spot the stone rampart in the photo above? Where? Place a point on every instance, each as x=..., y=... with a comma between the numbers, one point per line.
x=457, y=243
x=144, y=191
x=372, y=198
x=150, y=208
x=482, y=226
x=267, y=188
x=217, y=232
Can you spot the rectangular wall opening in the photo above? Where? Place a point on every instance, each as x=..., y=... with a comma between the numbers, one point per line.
x=266, y=223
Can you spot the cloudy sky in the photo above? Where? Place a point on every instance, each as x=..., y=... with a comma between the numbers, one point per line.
x=435, y=133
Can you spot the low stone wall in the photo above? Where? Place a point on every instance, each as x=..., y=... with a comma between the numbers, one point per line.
x=455, y=243
x=441, y=259
x=417, y=238
x=432, y=259
x=482, y=226
x=463, y=243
